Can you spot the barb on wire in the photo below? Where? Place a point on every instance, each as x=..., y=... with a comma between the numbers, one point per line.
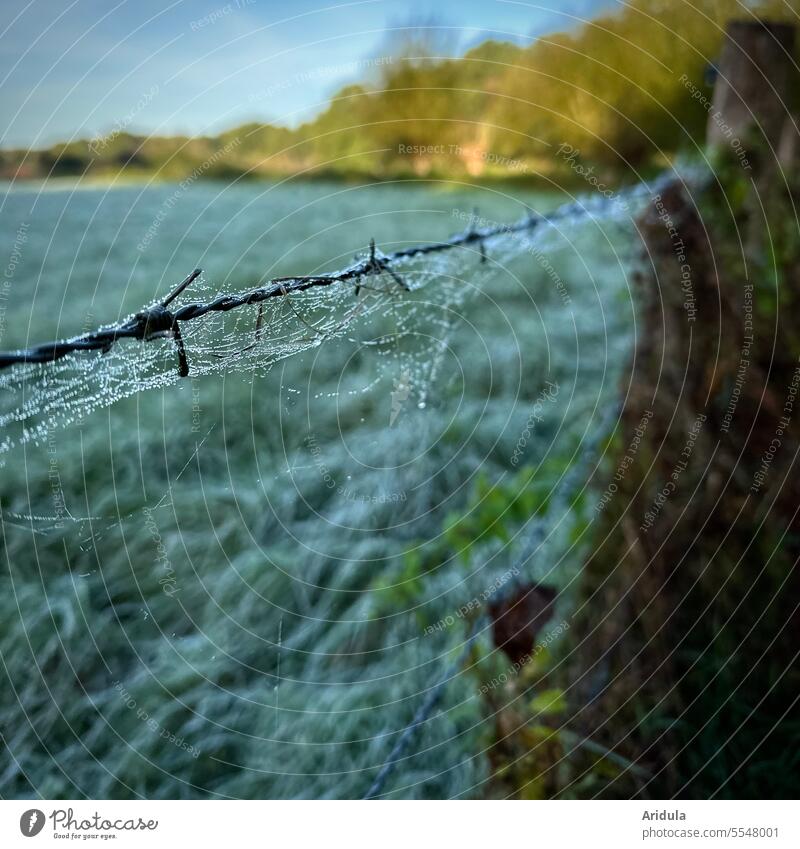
x=481, y=243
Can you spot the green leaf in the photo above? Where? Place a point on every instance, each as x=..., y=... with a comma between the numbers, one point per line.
x=548, y=702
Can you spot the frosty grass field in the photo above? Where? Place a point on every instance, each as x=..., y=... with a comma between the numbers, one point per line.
x=226, y=583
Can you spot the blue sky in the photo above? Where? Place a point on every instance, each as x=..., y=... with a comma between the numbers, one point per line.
x=78, y=69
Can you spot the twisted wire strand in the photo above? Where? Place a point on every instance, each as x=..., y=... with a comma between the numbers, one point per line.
x=157, y=320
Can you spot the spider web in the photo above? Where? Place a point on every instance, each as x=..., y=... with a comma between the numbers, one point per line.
x=36, y=399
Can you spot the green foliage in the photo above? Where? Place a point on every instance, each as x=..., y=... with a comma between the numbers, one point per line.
x=497, y=509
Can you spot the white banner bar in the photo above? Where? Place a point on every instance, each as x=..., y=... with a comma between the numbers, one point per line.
x=386, y=825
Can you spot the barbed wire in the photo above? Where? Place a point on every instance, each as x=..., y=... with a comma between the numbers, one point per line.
x=563, y=494
x=158, y=321
x=423, y=712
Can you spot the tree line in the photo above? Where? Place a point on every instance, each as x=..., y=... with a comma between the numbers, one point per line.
x=619, y=92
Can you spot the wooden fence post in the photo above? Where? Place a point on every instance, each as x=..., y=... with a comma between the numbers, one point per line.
x=753, y=85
